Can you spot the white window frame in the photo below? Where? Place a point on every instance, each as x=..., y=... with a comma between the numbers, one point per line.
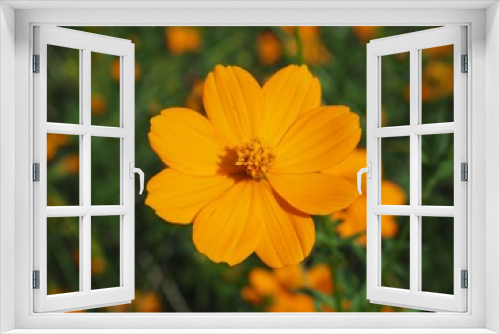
x=85, y=43
x=414, y=44
x=16, y=22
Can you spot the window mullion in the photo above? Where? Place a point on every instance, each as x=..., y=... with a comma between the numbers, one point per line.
x=414, y=171
x=420, y=129
x=85, y=164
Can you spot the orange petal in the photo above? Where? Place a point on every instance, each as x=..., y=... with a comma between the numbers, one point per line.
x=288, y=94
x=318, y=140
x=228, y=229
x=234, y=102
x=314, y=193
x=178, y=197
x=186, y=141
x=287, y=235
x=349, y=167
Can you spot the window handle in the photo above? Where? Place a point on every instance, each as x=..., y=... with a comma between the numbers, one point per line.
x=141, y=176
x=368, y=171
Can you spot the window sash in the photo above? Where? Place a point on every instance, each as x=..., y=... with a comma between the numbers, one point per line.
x=86, y=297
x=92, y=130
x=413, y=43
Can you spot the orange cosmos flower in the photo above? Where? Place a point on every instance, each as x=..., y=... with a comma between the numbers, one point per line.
x=439, y=52
x=98, y=104
x=354, y=217
x=182, y=39
x=270, y=47
x=115, y=70
x=313, y=48
x=97, y=265
x=437, y=81
x=280, y=288
x=122, y=307
x=364, y=34
x=149, y=302
x=195, y=99
x=54, y=141
x=71, y=163
x=249, y=175
x=439, y=76
x=386, y=308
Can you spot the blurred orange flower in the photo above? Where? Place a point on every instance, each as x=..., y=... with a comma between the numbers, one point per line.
x=195, y=99
x=55, y=290
x=437, y=81
x=97, y=263
x=364, y=33
x=97, y=104
x=270, y=47
x=71, y=163
x=121, y=307
x=346, y=304
x=438, y=52
x=54, y=141
x=313, y=48
x=439, y=76
x=383, y=116
x=182, y=39
x=148, y=302
x=386, y=308
x=279, y=290
x=249, y=178
x=115, y=70
x=353, y=218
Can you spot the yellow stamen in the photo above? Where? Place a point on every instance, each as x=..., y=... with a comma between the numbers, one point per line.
x=256, y=158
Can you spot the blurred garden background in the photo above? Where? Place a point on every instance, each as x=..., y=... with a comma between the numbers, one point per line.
x=171, y=65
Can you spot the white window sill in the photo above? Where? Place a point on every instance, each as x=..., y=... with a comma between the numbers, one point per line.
x=251, y=331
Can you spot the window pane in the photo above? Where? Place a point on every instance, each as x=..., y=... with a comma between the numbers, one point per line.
x=395, y=86
x=63, y=169
x=437, y=84
x=105, y=77
x=395, y=186
x=63, y=256
x=105, y=252
x=105, y=171
x=437, y=254
x=63, y=85
x=395, y=234
x=437, y=169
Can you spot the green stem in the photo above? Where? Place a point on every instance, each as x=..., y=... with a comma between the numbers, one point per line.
x=300, y=47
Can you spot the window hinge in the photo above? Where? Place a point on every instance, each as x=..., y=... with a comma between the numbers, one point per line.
x=464, y=172
x=36, y=279
x=36, y=63
x=464, y=279
x=36, y=172
x=465, y=64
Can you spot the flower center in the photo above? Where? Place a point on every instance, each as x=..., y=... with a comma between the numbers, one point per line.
x=255, y=157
